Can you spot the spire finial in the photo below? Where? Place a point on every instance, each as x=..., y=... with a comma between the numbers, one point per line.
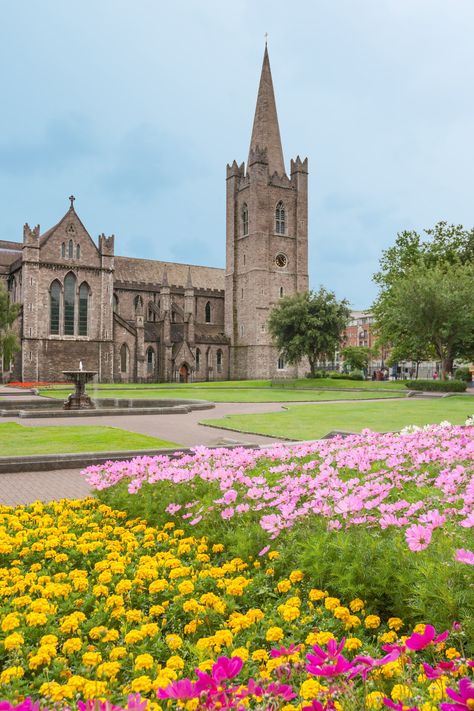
x=72, y=198
x=266, y=39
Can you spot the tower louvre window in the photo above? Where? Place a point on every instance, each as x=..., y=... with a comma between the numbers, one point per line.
x=245, y=219
x=84, y=293
x=208, y=312
x=69, y=304
x=280, y=221
x=54, y=306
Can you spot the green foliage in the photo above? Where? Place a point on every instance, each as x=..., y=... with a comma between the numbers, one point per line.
x=9, y=344
x=463, y=373
x=354, y=375
x=356, y=357
x=308, y=325
x=357, y=375
x=442, y=386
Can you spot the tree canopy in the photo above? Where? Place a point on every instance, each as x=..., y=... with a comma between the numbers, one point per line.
x=308, y=325
x=8, y=340
x=357, y=357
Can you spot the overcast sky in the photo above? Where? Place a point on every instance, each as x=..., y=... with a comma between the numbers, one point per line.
x=136, y=106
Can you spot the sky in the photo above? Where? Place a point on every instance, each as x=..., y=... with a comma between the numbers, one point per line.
x=137, y=106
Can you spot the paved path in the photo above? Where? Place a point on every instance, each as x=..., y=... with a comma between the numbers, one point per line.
x=26, y=487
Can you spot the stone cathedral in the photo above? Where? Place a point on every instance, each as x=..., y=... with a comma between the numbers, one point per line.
x=135, y=320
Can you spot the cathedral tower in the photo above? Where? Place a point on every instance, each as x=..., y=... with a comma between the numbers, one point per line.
x=266, y=241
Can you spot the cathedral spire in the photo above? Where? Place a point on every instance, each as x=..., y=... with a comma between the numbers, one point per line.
x=265, y=132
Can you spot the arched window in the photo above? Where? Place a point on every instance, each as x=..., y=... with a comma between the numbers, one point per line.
x=84, y=293
x=280, y=226
x=69, y=303
x=63, y=250
x=115, y=304
x=219, y=361
x=150, y=314
x=54, y=306
x=198, y=359
x=150, y=361
x=78, y=251
x=208, y=312
x=281, y=292
x=70, y=249
x=138, y=303
x=245, y=219
x=124, y=358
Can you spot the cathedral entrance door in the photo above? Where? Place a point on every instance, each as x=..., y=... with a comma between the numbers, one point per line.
x=183, y=373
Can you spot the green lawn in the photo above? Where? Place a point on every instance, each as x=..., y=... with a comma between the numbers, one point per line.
x=232, y=394
x=18, y=440
x=313, y=421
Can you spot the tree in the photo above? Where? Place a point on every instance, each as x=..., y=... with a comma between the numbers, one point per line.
x=8, y=341
x=308, y=325
x=431, y=308
x=357, y=357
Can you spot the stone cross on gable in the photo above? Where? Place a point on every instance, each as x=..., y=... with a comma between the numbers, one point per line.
x=72, y=198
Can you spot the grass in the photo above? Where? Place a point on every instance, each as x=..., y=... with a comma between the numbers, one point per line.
x=229, y=394
x=301, y=422
x=18, y=440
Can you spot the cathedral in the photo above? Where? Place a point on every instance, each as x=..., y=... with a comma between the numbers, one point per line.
x=143, y=320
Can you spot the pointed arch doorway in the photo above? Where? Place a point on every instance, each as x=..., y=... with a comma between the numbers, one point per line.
x=183, y=373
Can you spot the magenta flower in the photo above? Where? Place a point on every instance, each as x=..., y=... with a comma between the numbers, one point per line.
x=464, y=556
x=398, y=706
x=418, y=537
x=464, y=700
x=226, y=668
x=181, y=689
x=285, y=652
x=420, y=641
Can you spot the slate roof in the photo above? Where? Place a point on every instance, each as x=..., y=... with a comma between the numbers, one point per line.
x=130, y=270
x=9, y=251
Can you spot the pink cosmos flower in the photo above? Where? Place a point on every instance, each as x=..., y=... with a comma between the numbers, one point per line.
x=464, y=699
x=418, y=537
x=398, y=706
x=181, y=689
x=420, y=641
x=464, y=556
x=285, y=652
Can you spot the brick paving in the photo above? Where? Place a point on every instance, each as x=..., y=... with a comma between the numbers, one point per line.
x=26, y=487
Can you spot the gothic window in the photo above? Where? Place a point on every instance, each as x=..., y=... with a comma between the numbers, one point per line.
x=219, y=361
x=281, y=363
x=150, y=316
x=124, y=358
x=78, y=251
x=137, y=303
x=70, y=249
x=115, y=304
x=208, y=312
x=69, y=303
x=54, y=306
x=281, y=292
x=245, y=219
x=280, y=226
x=198, y=359
x=84, y=293
x=150, y=361
x=63, y=250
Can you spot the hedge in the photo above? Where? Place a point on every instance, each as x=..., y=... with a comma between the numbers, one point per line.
x=443, y=386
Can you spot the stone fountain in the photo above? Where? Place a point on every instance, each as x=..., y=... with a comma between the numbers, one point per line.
x=78, y=400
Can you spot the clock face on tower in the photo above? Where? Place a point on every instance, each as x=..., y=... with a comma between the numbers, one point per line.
x=281, y=260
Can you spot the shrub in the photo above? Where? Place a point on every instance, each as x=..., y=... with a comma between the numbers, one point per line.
x=442, y=386
x=318, y=374
x=357, y=375
x=463, y=373
x=354, y=375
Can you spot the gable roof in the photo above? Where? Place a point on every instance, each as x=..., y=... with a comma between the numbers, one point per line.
x=71, y=214
x=129, y=270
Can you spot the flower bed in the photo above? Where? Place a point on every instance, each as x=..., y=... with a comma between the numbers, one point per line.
x=96, y=605
x=388, y=517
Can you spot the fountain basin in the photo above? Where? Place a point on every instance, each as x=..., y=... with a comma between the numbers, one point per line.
x=78, y=400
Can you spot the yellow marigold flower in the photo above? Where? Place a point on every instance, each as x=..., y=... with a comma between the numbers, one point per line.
x=260, y=655
x=10, y=622
x=341, y=613
x=288, y=707
x=330, y=603
x=134, y=615
x=144, y=661
x=157, y=586
x=217, y=548
x=109, y=670
x=90, y=659
x=224, y=637
x=273, y=555
x=283, y=586
x=36, y=619
x=352, y=621
x=175, y=662
x=156, y=610
x=94, y=689
x=451, y=653
x=401, y=692
x=11, y=673
x=296, y=576
x=190, y=627
x=150, y=629
x=437, y=689
x=315, y=594
x=133, y=637
x=374, y=700
x=54, y=691
x=270, y=571
x=372, y=622
x=274, y=634
x=123, y=586
x=186, y=587
x=74, y=644
x=117, y=653
x=352, y=644
x=173, y=641
x=289, y=612
x=395, y=623
x=419, y=629
x=13, y=641
x=356, y=605
x=388, y=637
x=323, y=637
x=241, y=652
x=310, y=689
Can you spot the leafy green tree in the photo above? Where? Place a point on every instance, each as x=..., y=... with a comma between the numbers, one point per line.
x=308, y=325
x=432, y=308
x=357, y=357
x=8, y=341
